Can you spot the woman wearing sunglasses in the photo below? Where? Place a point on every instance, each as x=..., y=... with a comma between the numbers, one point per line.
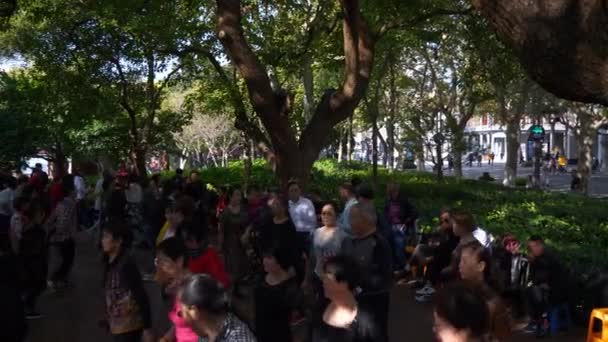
x=326, y=243
x=435, y=255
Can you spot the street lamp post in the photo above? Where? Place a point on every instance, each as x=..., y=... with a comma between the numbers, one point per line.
x=537, y=134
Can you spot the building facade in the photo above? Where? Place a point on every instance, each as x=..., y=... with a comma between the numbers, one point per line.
x=484, y=134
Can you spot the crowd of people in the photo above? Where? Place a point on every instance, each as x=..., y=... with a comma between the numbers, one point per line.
x=302, y=261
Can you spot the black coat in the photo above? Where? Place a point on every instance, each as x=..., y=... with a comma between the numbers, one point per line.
x=12, y=313
x=548, y=270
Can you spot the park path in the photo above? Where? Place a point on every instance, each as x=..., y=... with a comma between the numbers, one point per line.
x=559, y=182
x=72, y=316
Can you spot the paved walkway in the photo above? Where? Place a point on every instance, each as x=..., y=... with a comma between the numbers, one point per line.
x=72, y=316
x=559, y=182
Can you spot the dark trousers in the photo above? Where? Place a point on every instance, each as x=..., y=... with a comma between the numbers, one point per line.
x=67, y=250
x=133, y=336
x=5, y=224
x=537, y=302
x=303, y=248
x=399, y=242
x=35, y=272
x=320, y=301
x=377, y=305
x=517, y=300
x=303, y=242
x=433, y=272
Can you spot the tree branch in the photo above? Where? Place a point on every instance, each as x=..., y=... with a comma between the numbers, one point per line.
x=405, y=24
x=124, y=98
x=242, y=122
x=261, y=94
x=151, y=95
x=167, y=79
x=336, y=106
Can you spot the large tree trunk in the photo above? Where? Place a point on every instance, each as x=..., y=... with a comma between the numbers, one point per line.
x=390, y=143
x=458, y=149
x=439, y=161
x=560, y=43
x=458, y=164
x=585, y=147
x=294, y=166
x=140, y=160
x=293, y=158
x=512, y=152
x=138, y=148
x=60, y=162
x=511, y=117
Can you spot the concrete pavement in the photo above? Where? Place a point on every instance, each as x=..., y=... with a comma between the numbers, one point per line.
x=559, y=182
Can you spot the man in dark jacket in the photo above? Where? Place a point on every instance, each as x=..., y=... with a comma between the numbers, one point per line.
x=365, y=194
x=436, y=253
x=548, y=283
x=401, y=215
x=372, y=253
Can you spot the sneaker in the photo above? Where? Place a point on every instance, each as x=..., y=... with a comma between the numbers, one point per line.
x=33, y=315
x=426, y=291
x=423, y=299
x=541, y=332
x=530, y=328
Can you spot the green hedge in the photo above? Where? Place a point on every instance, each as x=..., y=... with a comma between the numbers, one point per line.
x=574, y=225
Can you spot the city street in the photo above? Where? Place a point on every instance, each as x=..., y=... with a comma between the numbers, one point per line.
x=559, y=182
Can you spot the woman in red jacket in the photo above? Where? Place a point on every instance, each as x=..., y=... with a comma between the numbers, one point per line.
x=203, y=258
